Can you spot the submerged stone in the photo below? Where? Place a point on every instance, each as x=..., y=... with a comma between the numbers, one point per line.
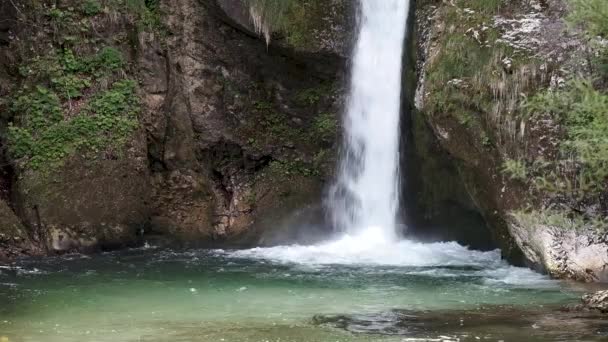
x=489, y=323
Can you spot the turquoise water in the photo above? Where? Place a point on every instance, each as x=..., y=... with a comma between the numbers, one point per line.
x=263, y=295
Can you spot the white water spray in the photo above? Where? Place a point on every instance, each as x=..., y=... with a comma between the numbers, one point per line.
x=366, y=195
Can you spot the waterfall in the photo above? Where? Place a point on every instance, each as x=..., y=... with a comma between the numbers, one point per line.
x=365, y=197
x=364, y=200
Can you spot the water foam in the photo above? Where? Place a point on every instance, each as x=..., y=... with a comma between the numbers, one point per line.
x=371, y=248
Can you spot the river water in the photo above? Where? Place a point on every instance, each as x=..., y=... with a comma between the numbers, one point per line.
x=448, y=294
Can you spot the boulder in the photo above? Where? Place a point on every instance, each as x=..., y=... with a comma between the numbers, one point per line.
x=596, y=301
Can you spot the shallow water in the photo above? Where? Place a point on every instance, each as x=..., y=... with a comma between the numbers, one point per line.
x=286, y=294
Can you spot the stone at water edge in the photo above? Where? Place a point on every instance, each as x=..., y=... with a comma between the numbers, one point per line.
x=596, y=301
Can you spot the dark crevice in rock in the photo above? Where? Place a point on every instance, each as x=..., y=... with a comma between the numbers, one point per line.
x=436, y=204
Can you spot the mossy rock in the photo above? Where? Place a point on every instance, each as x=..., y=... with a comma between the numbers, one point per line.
x=306, y=25
x=286, y=209
x=14, y=238
x=88, y=204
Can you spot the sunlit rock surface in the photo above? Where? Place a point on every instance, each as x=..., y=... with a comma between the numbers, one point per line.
x=596, y=301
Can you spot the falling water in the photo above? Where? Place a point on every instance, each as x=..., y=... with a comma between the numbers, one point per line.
x=365, y=198
x=366, y=195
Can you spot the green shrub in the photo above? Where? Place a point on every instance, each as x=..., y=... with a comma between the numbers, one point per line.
x=592, y=15
x=70, y=63
x=325, y=125
x=145, y=12
x=580, y=172
x=292, y=167
x=45, y=138
x=563, y=219
x=309, y=96
x=108, y=59
x=312, y=96
x=70, y=86
x=515, y=169
x=91, y=7
x=21, y=142
x=38, y=108
x=582, y=111
x=295, y=19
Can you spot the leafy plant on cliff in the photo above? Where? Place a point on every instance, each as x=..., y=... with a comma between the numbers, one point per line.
x=91, y=7
x=559, y=218
x=74, y=98
x=581, y=108
x=144, y=13
x=292, y=167
x=578, y=175
x=325, y=126
x=38, y=108
x=44, y=137
x=70, y=86
x=49, y=125
x=515, y=169
x=582, y=169
x=590, y=14
x=476, y=78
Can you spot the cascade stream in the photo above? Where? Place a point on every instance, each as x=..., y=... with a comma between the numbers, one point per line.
x=366, y=194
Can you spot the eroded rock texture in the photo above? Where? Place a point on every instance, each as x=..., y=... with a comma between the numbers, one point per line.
x=596, y=301
x=235, y=137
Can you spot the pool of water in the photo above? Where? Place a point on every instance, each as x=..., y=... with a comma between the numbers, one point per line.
x=334, y=292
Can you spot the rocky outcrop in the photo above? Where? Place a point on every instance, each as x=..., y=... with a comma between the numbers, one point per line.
x=596, y=301
x=87, y=205
x=14, y=238
x=477, y=65
x=564, y=252
x=237, y=130
x=313, y=26
x=234, y=137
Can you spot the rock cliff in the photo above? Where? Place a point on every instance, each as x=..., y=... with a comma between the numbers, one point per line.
x=165, y=120
x=483, y=67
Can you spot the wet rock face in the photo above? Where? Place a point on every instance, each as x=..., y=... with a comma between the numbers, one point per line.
x=238, y=131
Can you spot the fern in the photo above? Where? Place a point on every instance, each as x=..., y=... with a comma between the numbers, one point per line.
x=592, y=15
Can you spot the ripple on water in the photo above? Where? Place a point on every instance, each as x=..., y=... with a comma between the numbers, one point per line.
x=202, y=294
